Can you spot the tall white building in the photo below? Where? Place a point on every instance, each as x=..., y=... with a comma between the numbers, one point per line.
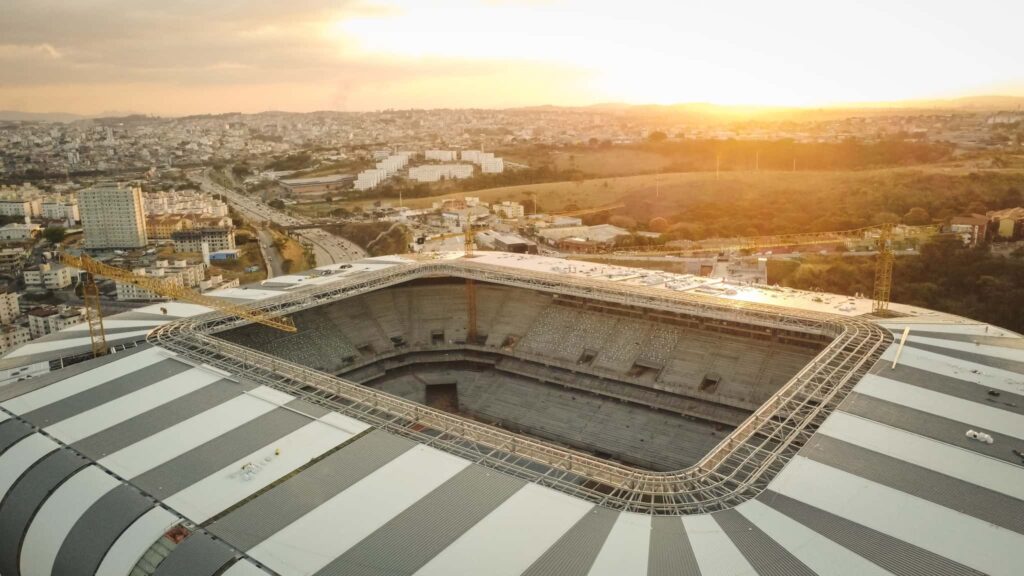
x=435, y=172
x=440, y=155
x=492, y=165
x=113, y=216
x=368, y=179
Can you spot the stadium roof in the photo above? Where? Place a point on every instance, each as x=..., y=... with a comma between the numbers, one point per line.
x=100, y=458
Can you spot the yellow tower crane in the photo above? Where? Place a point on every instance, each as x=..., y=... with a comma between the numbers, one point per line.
x=471, y=324
x=883, y=271
x=883, y=243
x=90, y=296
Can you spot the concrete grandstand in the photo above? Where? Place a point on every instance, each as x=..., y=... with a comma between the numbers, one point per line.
x=623, y=366
x=605, y=421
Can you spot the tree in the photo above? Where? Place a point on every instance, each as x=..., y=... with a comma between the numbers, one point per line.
x=276, y=203
x=622, y=222
x=658, y=224
x=917, y=217
x=657, y=136
x=54, y=234
x=885, y=218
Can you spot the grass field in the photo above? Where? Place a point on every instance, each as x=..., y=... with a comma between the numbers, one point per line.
x=673, y=187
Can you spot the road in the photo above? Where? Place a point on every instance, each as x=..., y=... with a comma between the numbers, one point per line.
x=327, y=248
x=272, y=255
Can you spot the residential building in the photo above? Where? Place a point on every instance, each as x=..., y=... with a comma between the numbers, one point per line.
x=113, y=216
x=369, y=179
x=440, y=155
x=11, y=259
x=161, y=227
x=20, y=208
x=973, y=230
x=509, y=210
x=437, y=172
x=192, y=240
x=12, y=336
x=392, y=164
x=179, y=273
x=17, y=232
x=492, y=166
x=49, y=276
x=9, y=309
x=63, y=209
x=45, y=320
x=183, y=203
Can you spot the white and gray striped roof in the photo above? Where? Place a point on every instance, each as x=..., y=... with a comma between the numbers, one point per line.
x=99, y=459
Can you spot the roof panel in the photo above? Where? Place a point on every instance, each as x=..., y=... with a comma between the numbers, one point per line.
x=508, y=540
x=155, y=419
x=713, y=549
x=984, y=417
x=16, y=459
x=104, y=416
x=766, y=555
x=84, y=381
x=10, y=432
x=187, y=435
x=105, y=392
x=197, y=555
x=625, y=550
x=813, y=549
x=24, y=499
x=671, y=553
x=574, y=552
x=130, y=546
x=180, y=472
x=96, y=530
x=231, y=484
x=956, y=367
x=285, y=503
x=409, y=540
x=962, y=538
x=54, y=520
x=943, y=458
x=311, y=542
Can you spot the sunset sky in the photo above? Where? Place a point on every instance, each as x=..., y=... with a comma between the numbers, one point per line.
x=175, y=57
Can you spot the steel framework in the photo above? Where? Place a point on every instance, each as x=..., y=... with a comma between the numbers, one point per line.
x=737, y=469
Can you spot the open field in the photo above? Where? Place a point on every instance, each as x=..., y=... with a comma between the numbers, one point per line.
x=672, y=188
x=292, y=252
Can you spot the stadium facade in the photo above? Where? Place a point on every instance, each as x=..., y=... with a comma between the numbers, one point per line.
x=604, y=420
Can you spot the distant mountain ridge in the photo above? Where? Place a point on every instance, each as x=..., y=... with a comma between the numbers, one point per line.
x=981, y=103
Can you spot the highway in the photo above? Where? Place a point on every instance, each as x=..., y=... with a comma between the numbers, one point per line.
x=327, y=248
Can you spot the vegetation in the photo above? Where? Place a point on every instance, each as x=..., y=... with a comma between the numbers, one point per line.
x=54, y=234
x=298, y=161
x=377, y=238
x=946, y=276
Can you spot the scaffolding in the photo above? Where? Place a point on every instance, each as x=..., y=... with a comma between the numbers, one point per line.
x=739, y=468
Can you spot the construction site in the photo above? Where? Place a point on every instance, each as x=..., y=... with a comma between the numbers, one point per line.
x=480, y=412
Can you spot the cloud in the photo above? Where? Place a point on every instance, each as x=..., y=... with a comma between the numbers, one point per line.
x=28, y=51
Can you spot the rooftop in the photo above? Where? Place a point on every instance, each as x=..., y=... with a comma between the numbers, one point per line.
x=111, y=453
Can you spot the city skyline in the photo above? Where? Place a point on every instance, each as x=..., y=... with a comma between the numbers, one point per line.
x=96, y=57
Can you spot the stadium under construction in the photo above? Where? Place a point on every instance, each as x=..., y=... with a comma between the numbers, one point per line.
x=559, y=418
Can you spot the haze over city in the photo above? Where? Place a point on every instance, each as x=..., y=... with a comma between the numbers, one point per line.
x=173, y=58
